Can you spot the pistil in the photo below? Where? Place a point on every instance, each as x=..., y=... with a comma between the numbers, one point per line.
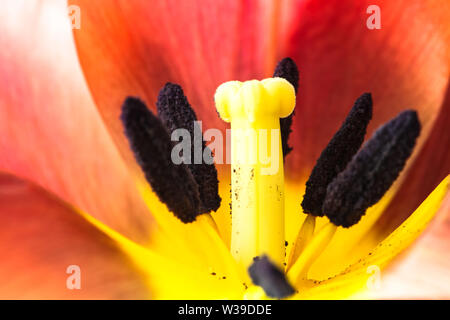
x=254, y=109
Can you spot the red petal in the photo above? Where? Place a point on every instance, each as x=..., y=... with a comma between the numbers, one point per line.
x=50, y=130
x=40, y=237
x=405, y=65
x=135, y=47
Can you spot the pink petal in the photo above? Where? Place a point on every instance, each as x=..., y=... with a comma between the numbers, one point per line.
x=50, y=131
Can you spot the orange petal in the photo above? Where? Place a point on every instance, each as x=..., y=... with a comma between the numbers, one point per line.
x=41, y=237
x=135, y=47
x=50, y=130
x=404, y=64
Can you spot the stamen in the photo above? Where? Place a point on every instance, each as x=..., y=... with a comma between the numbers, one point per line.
x=339, y=151
x=372, y=171
x=287, y=69
x=151, y=145
x=175, y=112
x=266, y=275
x=304, y=236
x=313, y=250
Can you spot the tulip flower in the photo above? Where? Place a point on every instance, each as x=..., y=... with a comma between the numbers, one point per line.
x=80, y=216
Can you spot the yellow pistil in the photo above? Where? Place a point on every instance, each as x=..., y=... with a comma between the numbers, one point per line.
x=254, y=109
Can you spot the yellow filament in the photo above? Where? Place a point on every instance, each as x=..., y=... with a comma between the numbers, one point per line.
x=254, y=109
x=313, y=250
x=304, y=236
x=209, y=220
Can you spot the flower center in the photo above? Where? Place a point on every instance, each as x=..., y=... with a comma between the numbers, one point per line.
x=342, y=185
